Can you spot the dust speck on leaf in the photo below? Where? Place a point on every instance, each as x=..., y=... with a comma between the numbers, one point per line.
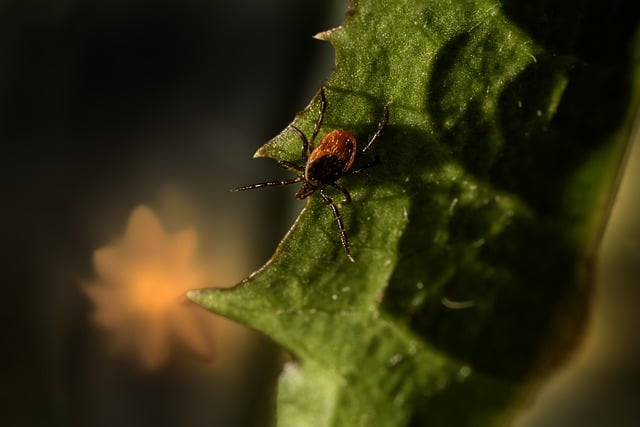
x=394, y=360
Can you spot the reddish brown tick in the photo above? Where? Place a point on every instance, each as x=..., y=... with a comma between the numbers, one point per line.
x=325, y=163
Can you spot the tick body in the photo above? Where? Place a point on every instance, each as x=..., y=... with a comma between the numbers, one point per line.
x=330, y=160
x=326, y=163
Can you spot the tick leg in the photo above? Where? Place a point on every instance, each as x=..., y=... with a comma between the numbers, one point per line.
x=305, y=141
x=291, y=166
x=323, y=107
x=269, y=184
x=381, y=125
x=365, y=167
x=306, y=146
x=347, y=197
x=343, y=233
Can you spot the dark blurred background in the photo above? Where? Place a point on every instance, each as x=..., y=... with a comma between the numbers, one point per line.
x=600, y=384
x=109, y=104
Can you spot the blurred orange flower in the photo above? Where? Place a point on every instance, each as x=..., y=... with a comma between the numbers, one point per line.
x=139, y=294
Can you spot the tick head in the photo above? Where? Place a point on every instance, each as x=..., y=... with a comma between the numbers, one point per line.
x=305, y=191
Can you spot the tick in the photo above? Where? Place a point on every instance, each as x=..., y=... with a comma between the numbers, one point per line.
x=325, y=164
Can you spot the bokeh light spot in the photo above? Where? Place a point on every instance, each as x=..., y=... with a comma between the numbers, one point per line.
x=139, y=293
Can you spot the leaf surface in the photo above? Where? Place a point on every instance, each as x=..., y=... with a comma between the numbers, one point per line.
x=471, y=238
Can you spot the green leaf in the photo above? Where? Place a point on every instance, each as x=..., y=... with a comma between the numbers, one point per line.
x=473, y=238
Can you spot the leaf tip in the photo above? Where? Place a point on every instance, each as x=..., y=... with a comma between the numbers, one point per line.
x=195, y=295
x=325, y=35
x=205, y=298
x=260, y=152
